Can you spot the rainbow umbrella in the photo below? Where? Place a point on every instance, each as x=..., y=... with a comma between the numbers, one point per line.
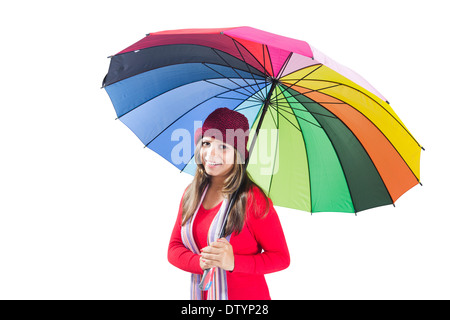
x=322, y=138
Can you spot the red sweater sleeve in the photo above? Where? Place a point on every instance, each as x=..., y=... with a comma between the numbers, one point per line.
x=268, y=233
x=178, y=254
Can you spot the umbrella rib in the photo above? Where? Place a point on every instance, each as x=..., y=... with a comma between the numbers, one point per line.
x=276, y=146
x=229, y=79
x=306, y=110
x=250, y=53
x=316, y=102
x=285, y=65
x=264, y=61
x=287, y=118
x=275, y=122
x=247, y=51
x=240, y=76
x=307, y=162
x=248, y=107
x=266, y=74
x=270, y=59
x=177, y=120
x=293, y=84
x=312, y=90
x=247, y=65
x=310, y=112
x=251, y=100
x=308, y=66
x=235, y=90
x=298, y=117
x=230, y=89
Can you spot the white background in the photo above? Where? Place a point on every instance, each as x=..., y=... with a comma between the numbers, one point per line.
x=86, y=212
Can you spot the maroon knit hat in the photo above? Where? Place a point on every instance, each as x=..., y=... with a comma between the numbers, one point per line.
x=228, y=126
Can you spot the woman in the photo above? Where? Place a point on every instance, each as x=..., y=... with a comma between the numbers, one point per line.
x=254, y=243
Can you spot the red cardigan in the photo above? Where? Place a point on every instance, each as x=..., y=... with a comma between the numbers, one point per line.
x=258, y=249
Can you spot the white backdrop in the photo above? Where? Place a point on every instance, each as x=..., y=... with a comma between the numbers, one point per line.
x=86, y=212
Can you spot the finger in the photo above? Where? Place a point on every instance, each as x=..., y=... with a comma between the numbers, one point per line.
x=211, y=256
x=208, y=264
x=219, y=244
x=204, y=264
x=224, y=240
x=210, y=249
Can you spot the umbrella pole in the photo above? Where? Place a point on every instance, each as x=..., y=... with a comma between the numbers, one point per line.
x=206, y=273
x=233, y=197
x=266, y=106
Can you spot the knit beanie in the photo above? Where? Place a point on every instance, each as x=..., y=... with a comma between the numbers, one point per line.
x=228, y=126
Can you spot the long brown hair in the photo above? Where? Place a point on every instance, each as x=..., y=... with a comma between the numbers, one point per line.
x=237, y=177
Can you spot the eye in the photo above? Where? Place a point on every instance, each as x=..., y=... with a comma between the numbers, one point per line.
x=224, y=146
x=205, y=143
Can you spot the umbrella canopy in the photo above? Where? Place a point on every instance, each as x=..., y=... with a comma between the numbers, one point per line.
x=328, y=140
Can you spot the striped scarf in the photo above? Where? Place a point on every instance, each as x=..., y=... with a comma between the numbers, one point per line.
x=218, y=289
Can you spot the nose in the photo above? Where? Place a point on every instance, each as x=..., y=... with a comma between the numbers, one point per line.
x=211, y=151
x=214, y=152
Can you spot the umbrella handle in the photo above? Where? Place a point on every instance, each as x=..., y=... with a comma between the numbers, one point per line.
x=207, y=278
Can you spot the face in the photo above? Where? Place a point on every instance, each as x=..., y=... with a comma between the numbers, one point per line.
x=217, y=157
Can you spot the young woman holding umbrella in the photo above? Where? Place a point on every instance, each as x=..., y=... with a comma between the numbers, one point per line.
x=254, y=243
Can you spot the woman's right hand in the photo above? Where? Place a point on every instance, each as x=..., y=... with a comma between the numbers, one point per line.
x=218, y=254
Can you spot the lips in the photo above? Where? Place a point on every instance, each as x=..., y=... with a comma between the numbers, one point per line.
x=212, y=164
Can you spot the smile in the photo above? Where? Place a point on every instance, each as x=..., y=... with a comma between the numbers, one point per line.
x=212, y=164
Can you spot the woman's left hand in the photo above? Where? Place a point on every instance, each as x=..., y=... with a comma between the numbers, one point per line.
x=218, y=254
